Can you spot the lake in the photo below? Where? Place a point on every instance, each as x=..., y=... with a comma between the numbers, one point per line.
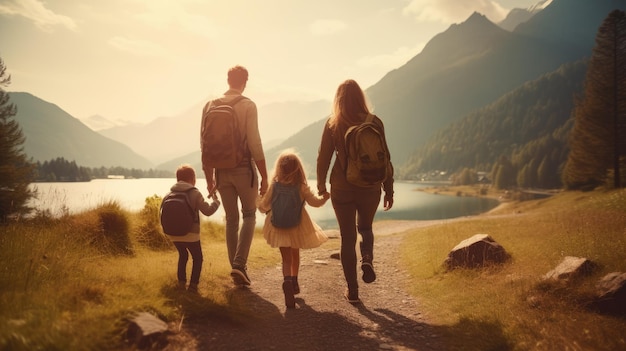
x=409, y=204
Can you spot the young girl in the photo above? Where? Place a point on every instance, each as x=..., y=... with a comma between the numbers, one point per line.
x=289, y=171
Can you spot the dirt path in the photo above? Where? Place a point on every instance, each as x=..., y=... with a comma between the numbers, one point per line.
x=388, y=318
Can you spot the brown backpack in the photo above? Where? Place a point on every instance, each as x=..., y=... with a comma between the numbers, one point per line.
x=368, y=160
x=221, y=142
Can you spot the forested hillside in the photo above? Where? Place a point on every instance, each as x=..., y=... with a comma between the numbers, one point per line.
x=526, y=130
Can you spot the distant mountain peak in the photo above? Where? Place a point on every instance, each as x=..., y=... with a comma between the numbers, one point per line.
x=467, y=39
x=476, y=16
x=98, y=122
x=539, y=6
x=476, y=22
x=518, y=15
x=515, y=17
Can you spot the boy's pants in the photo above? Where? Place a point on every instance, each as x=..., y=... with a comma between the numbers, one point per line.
x=184, y=248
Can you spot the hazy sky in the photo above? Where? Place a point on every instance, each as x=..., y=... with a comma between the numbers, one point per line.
x=137, y=60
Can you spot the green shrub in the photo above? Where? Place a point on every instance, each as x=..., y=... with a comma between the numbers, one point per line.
x=149, y=231
x=107, y=228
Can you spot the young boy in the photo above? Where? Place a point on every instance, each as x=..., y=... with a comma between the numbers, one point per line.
x=190, y=242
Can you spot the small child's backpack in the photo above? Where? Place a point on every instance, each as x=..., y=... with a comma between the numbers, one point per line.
x=221, y=142
x=177, y=214
x=286, y=205
x=368, y=158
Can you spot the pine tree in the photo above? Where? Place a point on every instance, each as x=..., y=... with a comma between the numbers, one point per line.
x=597, y=146
x=15, y=170
x=504, y=174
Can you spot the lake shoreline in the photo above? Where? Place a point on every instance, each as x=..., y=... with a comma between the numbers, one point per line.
x=413, y=201
x=393, y=226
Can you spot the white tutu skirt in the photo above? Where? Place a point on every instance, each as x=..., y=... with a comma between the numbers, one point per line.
x=306, y=235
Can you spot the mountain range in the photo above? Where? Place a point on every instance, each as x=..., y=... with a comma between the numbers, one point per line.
x=51, y=133
x=185, y=140
x=459, y=71
x=467, y=67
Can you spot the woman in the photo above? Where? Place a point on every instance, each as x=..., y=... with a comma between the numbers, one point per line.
x=355, y=206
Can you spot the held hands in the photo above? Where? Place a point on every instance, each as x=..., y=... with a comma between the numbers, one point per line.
x=263, y=188
x=210, y=181
x=212, y=190
x=215, y=198
x=324, y=194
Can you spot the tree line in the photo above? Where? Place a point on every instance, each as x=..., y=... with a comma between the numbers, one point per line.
x=62, y=170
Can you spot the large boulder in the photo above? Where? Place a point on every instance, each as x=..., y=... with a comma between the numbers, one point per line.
x=570, y=267
x=611, y=294
x=478, y=251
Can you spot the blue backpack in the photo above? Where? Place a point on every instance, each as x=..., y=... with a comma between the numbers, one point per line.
x=176, y=213
x=286, y=205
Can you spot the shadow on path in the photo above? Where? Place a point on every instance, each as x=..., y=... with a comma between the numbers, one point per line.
x=404, y=333
x=388, y=319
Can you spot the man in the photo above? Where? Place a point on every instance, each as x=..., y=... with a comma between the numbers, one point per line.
x=239, y=184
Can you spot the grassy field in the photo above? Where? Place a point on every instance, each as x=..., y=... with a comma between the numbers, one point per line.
x=70, y=283
x=510, y=307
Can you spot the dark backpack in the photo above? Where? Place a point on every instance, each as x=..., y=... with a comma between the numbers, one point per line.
x=368, y=160
x=176, y=213
x=221, y=142
x=286, y=205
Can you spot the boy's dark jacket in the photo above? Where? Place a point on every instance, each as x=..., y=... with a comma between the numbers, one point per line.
x=197, y=203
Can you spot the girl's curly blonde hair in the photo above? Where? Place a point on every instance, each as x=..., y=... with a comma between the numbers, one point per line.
x=289, y=168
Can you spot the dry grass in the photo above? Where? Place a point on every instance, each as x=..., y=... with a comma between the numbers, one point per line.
x=65, y=286
x=512, y=306
x=59, y=290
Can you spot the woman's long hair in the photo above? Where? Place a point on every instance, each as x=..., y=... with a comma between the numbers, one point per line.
x=289, y=169
x=350, y=106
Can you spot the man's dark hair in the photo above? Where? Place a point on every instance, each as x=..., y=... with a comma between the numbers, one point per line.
x=237, y=76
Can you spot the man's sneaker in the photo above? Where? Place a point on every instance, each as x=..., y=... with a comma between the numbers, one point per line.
x=290, y=300
x=368, y=269
x=240, y=277
x=352, y=296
